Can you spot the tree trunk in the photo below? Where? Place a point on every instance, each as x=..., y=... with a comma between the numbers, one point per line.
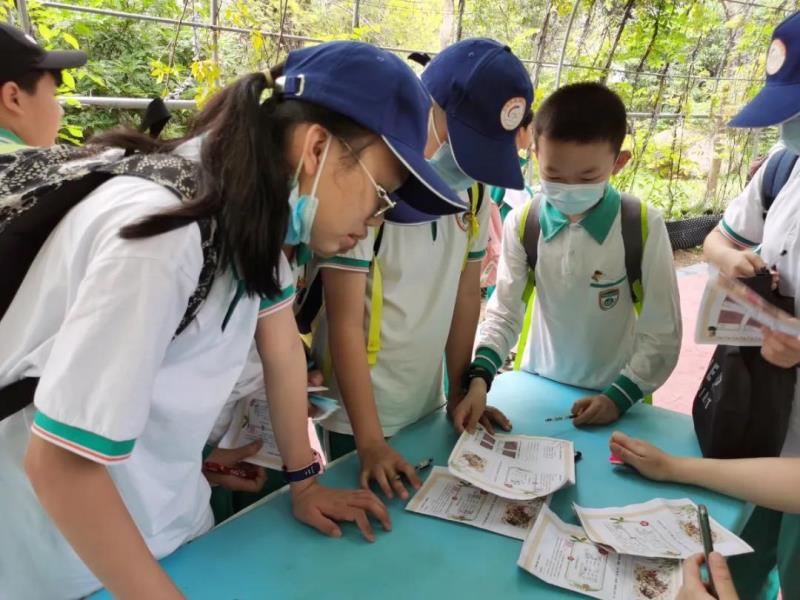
x=460, y=19
x=625, y=16
x=540, y=45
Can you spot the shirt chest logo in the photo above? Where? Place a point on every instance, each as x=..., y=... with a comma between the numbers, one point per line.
x=608, y=299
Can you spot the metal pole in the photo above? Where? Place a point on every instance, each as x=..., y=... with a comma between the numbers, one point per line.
x=356, y=15
x=24, y=17
x=566, y=39
x=215, y=32
x=126, y=103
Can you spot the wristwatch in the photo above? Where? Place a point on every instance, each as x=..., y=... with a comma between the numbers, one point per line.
x=315, y=468
x=475, y=371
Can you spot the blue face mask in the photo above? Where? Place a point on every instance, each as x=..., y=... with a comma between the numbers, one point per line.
x=444, y=162
x=303, y=209
x=573, y=199
x=790, y=134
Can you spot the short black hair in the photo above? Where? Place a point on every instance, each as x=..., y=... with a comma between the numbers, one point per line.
x=28, y=81
x=583, y=112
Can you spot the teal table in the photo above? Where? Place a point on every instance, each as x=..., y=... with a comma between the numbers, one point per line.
x=266, y=553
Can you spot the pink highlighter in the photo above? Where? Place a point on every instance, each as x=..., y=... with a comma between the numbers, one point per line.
x=615, y=460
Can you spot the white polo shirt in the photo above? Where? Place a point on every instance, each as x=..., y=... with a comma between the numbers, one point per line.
x=420, y=266
x=584, y=330
x=778, y=237
x=94, y=318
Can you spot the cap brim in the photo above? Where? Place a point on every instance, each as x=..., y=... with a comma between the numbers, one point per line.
x=424, y=190
x=403, y=214
x=62, y=59
x=772, y=105
x=488, y=160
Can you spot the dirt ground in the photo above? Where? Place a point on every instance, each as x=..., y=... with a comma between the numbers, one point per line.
x=686, y=258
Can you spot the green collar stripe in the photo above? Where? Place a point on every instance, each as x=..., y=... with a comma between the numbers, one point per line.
x=81, y=440
x=9, y=137
x=597, y=222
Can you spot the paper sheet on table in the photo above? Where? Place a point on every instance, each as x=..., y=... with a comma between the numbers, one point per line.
x=562, y=555
x=251, y=422
x=658, y=528
x=448, y=497
x=518, y=467
x=732, y=314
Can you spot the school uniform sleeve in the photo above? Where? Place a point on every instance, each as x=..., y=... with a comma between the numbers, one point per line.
x=479, y=242
x=269, y=306
x=657, y=340
x=743, y=221
x=359, y=258
x=501, y=325
x=94, y=394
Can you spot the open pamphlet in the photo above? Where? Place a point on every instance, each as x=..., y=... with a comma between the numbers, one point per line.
x=517, y=467
x=251, y=422
x=447, y=497
x=658, y=528
x=564, y=556
x=733, y=314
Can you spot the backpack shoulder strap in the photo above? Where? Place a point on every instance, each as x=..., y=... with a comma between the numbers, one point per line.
x=633, y=221
x=480, y=189
x=529, y=230
x=776, y=173
x=39, y=186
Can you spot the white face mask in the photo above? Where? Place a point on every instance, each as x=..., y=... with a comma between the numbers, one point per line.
x=573, y=198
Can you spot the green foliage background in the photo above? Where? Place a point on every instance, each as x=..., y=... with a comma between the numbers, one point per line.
x=683, y=67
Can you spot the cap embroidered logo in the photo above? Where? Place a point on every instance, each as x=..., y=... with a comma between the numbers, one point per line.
x=776, y=56
x=512, y=113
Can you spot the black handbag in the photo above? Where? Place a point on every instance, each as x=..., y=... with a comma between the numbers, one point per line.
x=743, y=405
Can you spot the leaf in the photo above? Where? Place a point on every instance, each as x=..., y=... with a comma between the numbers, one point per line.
x=70, y=39
x=46, y=32
x=69, y=80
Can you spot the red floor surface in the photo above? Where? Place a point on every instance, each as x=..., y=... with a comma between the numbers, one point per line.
x=679, y=390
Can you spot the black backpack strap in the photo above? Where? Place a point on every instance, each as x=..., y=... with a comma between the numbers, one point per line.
x=378, y=239
x=209, y=243
x=530, y=230
x=631, y=224
x=310, y=300
x=481, y=191
x=776, y=173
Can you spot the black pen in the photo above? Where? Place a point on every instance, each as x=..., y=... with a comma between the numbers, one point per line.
x=708, y=544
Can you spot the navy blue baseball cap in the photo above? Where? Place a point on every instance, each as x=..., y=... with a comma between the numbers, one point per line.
x=379, y=91
x=779, y=99
x=486, y=92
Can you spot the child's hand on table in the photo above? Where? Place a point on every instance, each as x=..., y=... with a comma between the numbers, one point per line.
x=650, y=461
x=594, y=410
x=386, y=466
x=321, y=507
x=470, y=410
